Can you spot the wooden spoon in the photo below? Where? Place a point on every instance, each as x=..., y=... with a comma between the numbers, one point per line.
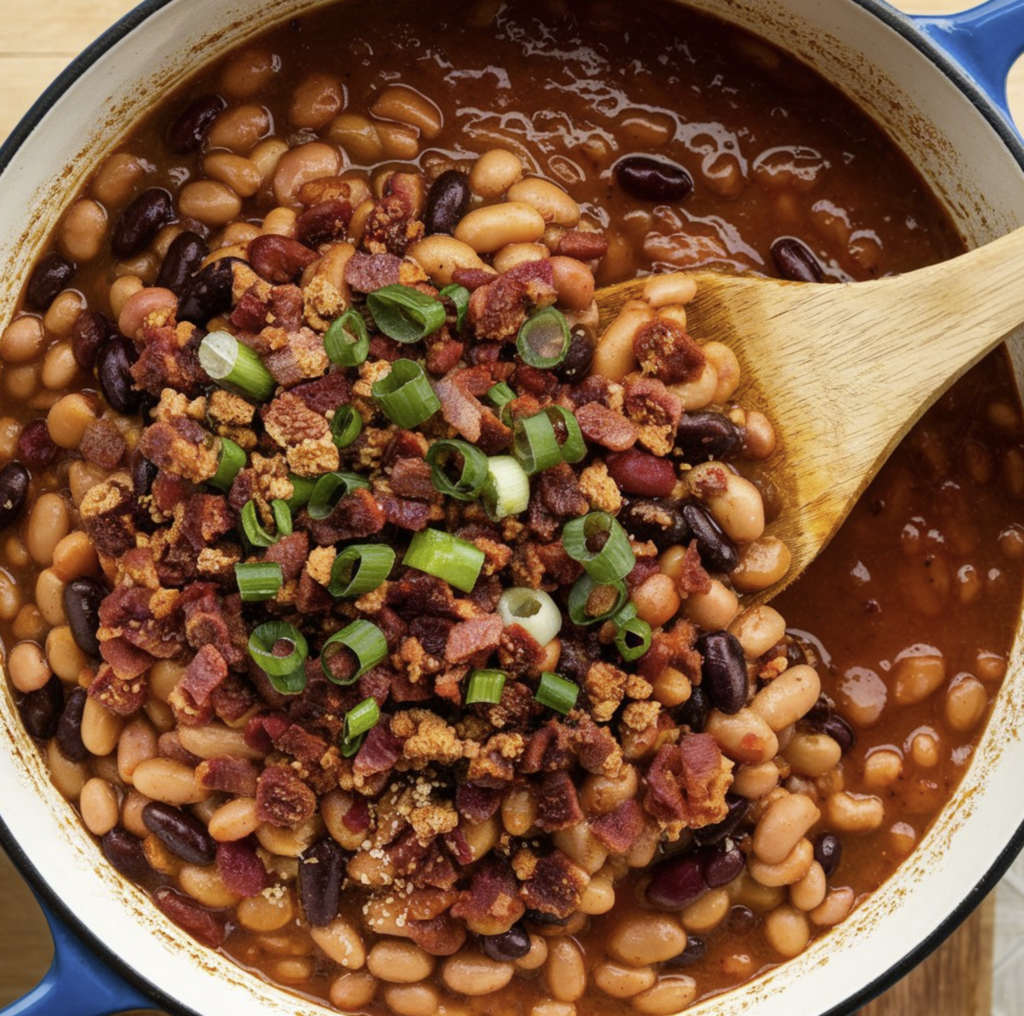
x=843, y=371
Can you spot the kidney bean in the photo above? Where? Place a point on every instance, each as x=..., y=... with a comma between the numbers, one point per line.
x=14, y=480
x=35, y=446
x=143, y=474
x=90, y=331
x=207, y=293
x=653, y=179
x=113, y=369
x=183, y=834
x=704, y=436
x=794, y=260
x=738, y=809
x=694, y=952
x=742, y=920
x=82, y=599
x=840, y=731
x=279, y=259
x=721, y=866
x=324, y=222
x=40, y=709
x=141, y=221
x=209, y=929
x=51, y=274
x=661, y=522
x=676, y=882
x=187, y=132
x=509, y=945
x=723, y=670
x=182, y=260
x=321, y=872
x=717, y=552
x=639, y=473
x=828, y=852
x=124, y=851
x=447, y=202
x=69, y=728
x=694, y=711
x=578, y=357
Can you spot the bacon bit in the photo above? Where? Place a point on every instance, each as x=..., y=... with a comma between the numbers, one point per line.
x=693, y=578
x=411, y=515
x=206, y=519
x=475, y=803
x=121, y=696
x=102, y=444
x=558, y=806
x=357, y=818
x=491, y=905
x=555, y=886
x=326, y=393
x=379, y=752
x=440, y=936
x=472, y=278
x=621, y=828
x=228, y=774
x=282, y=799
x=410, y=477
x=240, y=868
x=497, y=310
x=478, y=636
x=262, y=730
x=366, y=273
x=125, y=660
x=687, y=782
x=519, y=651
x=290, y=552
x=302, y=745
x=203, y=674
x=467, y=414
x=606, y=427
x=549, y=749
x=665, y=351
x=325, y=221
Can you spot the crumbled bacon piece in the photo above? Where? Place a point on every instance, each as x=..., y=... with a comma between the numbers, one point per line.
x=606, y=427
x=282, y=799
x=665, y=351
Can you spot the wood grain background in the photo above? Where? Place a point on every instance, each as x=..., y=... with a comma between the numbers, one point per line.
x=955, y=981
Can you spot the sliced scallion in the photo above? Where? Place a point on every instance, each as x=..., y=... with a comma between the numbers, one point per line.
x=485, y=686
x=329, y=490
x=360, y=639
x=574, y=448
x=345, y=426
x=507, y=489
x=633, y=638
x=534, y=443
x=358, y=720
x=446, y=557
x=500, y=393
x=472, y=476
x=254, y=530
x=544, y=338
x=235, y=365
x=405, y=394
x=302, y=491
x=459, y=296
x=532, y=609
x=586, y=596
x=258, y=580
x=232, y=459
x=556, y=692
x=347, y=342
x=601, y=545
x=269, y=647
x=360, y=568
x=405, y=314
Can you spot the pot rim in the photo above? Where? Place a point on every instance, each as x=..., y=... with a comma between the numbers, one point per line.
x=982, y=101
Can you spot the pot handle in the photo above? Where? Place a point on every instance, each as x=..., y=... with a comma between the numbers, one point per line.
x=78, y=983
x=985, y=41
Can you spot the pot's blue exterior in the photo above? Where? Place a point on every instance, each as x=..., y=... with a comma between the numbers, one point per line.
x=976, y=47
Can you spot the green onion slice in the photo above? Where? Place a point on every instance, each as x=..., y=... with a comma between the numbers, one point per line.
x=405, y=314
x=532, y=609
x=358, y=720
x=534, y=443
x=446, y=557
x=258, y=580
x=485, y=686
x=232, y=459
x=574, y=448
x=544, y=338
x=507, y=489
x=459, y=296
x=268, y=646
x=329, y=490
x=601, y=545
x=405, y=394
x=500, y=393
x=614, y=594
x=254, y=531
x=345, y=426
x=472, y=476
x=360, y=568
x=302, y=491
x=347, y=342
x=556, y=692
x=633, y=638
x=236, y=366
x=360, y=639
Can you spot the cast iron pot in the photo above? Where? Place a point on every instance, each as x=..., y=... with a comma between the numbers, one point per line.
x=938, y=88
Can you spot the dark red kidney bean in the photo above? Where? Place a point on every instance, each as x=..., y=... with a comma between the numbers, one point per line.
x=447, y=202
x=509, y=945
x=186, y=133
x=661, y=522
x=90, y=331
x=840, y=731
x=182, y=260
x=721, y=866
x=653, y=179
x=324, y=222
x=143, y=473
x=14, y=481
x=578, y=357
x=694, y=711
x=828, y=852
x=738, y=809
x=544, y=919
x=640, y=473
x=206, y=928
x=82, y=599
x=279, y=259
x=124, y=851
x=694, y=952
x=676, y=882
x=703, y=436
x=742, y=920
x=40, y=709
x=723, y=670
x=717, y=552
x=51, y=274
x=794, y=260
x=35, y=446
x=181, y=833
x=114, y=372
x=207, y=293
x=321, y=872
x=141, y=221
x=69, y=728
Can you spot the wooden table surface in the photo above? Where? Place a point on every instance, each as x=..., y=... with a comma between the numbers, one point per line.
x=955, y=981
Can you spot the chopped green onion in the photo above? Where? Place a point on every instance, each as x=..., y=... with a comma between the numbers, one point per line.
x=485, y=686
x=533, y=609
x=258, y=580
x=232, y=459
x=614, y=594
x=574, y=448
x=458, y=295
x=235, y=365
x=358, y=720
x=507, y=490
x=347, y=342
x=472, y=476
x=285, y=670
x=254, y=530
x=329, y=490
x=633, y=638
x=360, y=568
x=534, y=443
x=345, y=426
x=302, y=491
x=446, y=557
x=361, y=639
x=405, y=394
x=612, y=560
x=500, y=393
x=544, y=338
x=282, y=517
x=556, y=692
x=405, y=314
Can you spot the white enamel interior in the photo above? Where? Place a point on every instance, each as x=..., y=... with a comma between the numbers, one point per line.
x=964, y=160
